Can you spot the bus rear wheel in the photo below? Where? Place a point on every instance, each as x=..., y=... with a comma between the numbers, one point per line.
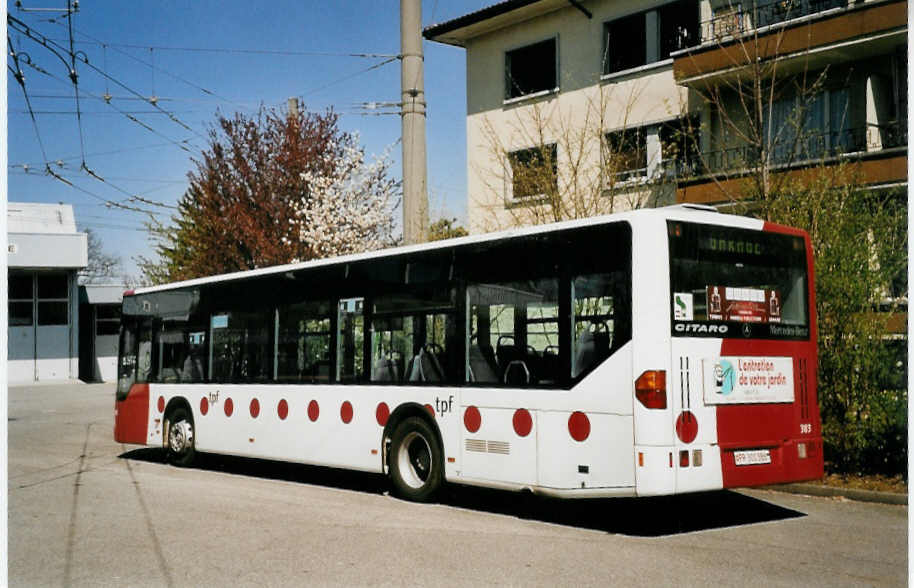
x=415, y=460
x=179, y=438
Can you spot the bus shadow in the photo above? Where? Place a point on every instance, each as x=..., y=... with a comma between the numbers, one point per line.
x=654, y=516
x=638, y=517
x=273, y=470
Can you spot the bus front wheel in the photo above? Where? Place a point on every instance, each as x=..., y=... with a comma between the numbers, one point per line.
x=415, y=460
x=180, y=438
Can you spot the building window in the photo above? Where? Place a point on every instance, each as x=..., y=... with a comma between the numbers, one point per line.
x=678, y=26
x=650, y=36
x=534, y=171
x=626, y=154
x=626, y=43
x=679, y=147
x=20, y=299
x=107, y=319
x=53, y=298
x=531, y=69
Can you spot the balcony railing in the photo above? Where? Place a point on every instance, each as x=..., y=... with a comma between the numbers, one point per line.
x=736, y=19
x=812, y=147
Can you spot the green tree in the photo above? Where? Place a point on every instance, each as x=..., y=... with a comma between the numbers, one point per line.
x=446, y=228
x=859, y=241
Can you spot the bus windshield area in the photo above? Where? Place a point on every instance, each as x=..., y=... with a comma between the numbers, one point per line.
x=739, y=282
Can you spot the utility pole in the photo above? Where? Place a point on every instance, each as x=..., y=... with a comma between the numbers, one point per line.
x=293, y=108
x=412, y=112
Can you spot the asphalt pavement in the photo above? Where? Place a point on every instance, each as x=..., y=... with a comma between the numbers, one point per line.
x=86, y=511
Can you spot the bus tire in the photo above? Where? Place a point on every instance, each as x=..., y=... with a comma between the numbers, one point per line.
x=416, y=461
x=179, y=439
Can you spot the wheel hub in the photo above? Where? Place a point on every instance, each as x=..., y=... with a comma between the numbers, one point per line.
x=415, y=459
x=180, y=436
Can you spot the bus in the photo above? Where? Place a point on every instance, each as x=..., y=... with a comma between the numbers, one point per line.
x=651, y=352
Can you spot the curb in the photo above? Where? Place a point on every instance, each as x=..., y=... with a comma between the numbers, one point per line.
x=851, y=493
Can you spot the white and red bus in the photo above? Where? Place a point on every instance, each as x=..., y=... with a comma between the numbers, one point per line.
x=644, y=353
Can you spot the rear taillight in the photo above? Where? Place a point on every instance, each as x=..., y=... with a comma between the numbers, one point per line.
x=650, y=389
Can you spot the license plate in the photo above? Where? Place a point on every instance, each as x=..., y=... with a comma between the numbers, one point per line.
x=755, y=457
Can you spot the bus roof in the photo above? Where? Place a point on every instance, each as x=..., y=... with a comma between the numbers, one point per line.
x=684, y=212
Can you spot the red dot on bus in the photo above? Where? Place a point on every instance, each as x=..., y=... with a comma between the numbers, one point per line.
x=523, y=422
x=382, y=413
x=204, y=405
x=430, y=409
x=229, y=407
x=313, y=410
x=255, y=408
x=161, y=404
x=579, y=426
x=472, y=420
x=282, y=409
x=686, y=426
x=346, y=412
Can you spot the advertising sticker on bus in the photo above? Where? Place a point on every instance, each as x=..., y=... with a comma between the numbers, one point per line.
x=683, y=307
x=741, y=380
x=748, y=305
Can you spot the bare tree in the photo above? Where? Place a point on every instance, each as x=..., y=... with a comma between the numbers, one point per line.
x=759, y=103
x=103, y=267
x=551, y=162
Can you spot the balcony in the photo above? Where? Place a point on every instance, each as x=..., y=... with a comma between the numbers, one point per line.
x=729, y=23
x=881, y=151
x=803, y=35
x=812, y=149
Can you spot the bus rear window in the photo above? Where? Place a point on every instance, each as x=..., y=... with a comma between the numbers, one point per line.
x=726, y=281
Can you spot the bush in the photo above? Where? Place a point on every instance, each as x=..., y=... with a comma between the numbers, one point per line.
x=859, y=241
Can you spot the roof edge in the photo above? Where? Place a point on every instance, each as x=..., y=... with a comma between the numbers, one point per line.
x=439, y=32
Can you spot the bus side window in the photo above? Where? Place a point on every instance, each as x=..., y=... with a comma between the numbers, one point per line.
x=350, y=348
x=413, y=338
x=513, y=333
x=242, y=346
x=598, y=306
x=171, y=352
x=144, y=353
x=304, y=342
x=127, y=363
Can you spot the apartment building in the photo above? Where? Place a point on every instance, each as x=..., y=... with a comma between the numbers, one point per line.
x=583, y=107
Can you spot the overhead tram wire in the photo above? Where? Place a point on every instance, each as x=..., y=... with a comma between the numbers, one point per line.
x=74, y=78
x=152, y=66
x=132, y=197
x=180, y=144
x=47, y=42
x=20, y=78
x=350, y=76
x=60, y=160
x=276, y=52
x=107, y=202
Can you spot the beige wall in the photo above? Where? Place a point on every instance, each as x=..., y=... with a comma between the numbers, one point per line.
x=575, y=117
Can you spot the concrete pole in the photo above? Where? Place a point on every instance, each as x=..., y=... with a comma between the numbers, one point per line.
x=293, y=108
x=412, y=97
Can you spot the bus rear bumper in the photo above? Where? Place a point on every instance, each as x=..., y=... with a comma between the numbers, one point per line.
x=131, y=416
x=794, y=460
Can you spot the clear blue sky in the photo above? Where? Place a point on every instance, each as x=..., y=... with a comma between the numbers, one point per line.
x=211, y=55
